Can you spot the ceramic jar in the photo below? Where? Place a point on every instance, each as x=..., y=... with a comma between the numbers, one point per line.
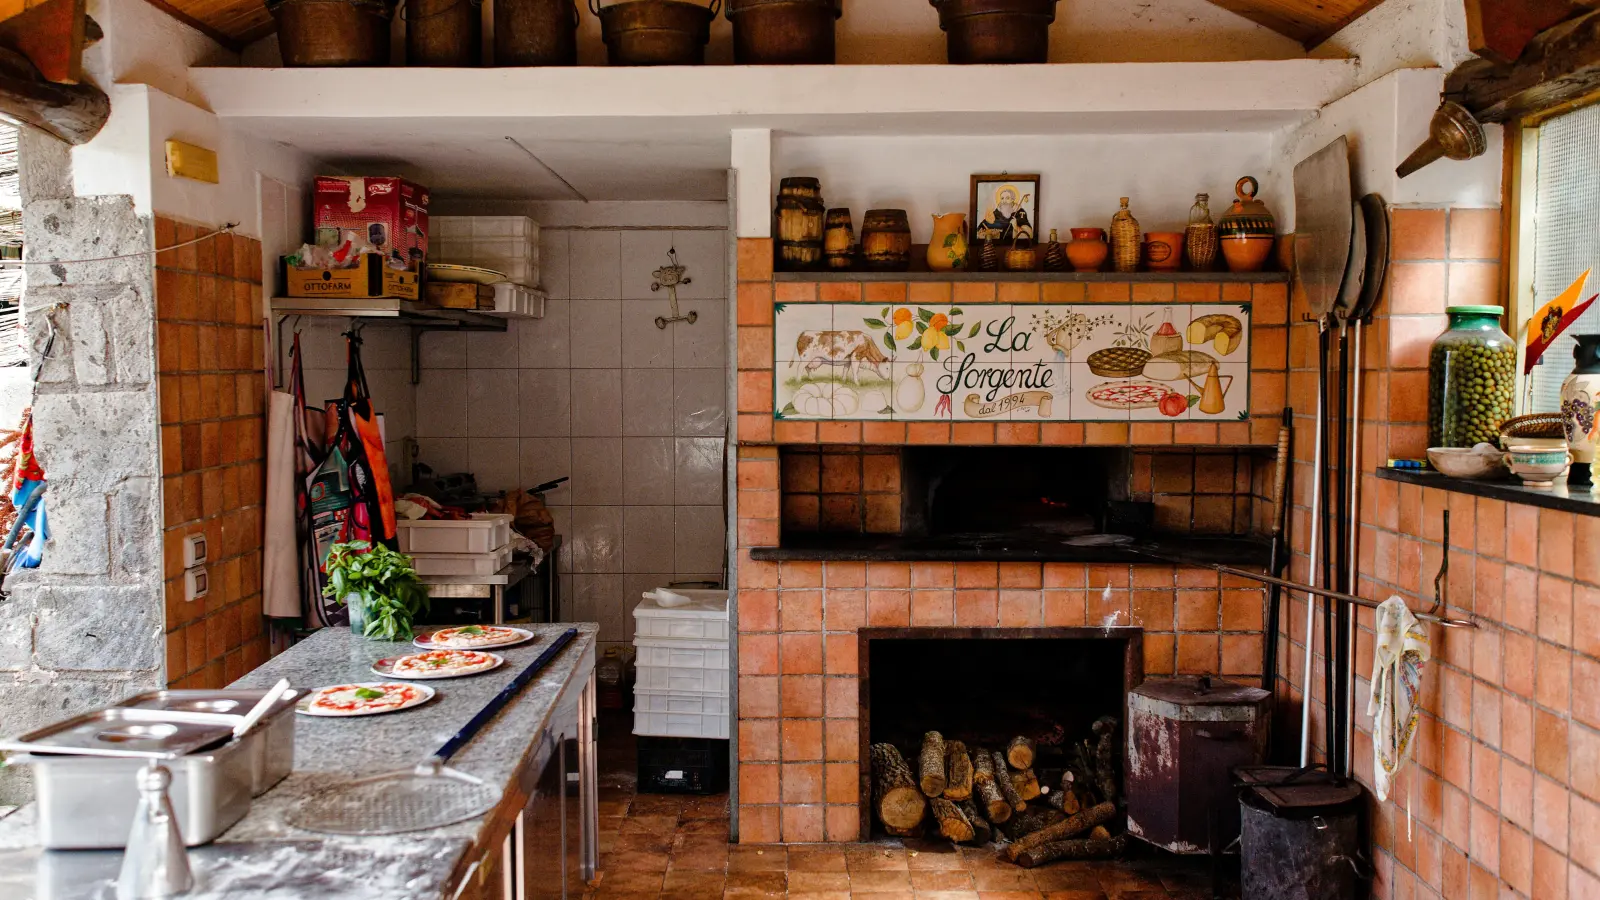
x=1124, y=240
x=1579, y=395
x=1163, y=251
x=1247, y=229
x=947, y=248
x=886, y=240
x=1087, y=251
x=797, y=224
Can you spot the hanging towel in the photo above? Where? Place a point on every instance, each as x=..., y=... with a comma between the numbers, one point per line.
x=280, y=577
x=1400, y=651
x=27, y=498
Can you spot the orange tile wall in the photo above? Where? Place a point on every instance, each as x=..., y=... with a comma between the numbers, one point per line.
x=798, y=771
x=1505, y=786
x=209, y=348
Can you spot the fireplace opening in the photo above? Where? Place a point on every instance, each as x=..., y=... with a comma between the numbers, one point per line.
x=986, y=686
x=1061, y=491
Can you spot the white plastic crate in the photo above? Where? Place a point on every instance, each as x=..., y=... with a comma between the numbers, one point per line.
x=671, y=714
x=698, y=681
x=483, y=533
x=675, y=653
x=512, y=299
x=507, y=244
x=703, y=618
x=461, y=563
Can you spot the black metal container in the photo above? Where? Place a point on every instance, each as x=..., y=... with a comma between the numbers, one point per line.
x=1300, y=841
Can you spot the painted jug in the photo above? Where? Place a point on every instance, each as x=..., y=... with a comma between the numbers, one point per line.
x=947, y=249
x=1247, y=230
x=1579, y=393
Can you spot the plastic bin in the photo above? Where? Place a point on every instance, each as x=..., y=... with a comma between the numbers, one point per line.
x=674, y=653
x=483, y=533
x=673, y=765
x=461, y=563
x=695, y=681
x=679, y=714
x=703, y=618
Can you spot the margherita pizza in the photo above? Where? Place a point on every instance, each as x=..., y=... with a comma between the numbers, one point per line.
x=437, y=664
x=366, y=699
x=1127, y=394
x=471, y=636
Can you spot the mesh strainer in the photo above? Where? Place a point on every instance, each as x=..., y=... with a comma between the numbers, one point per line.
x=431, y=795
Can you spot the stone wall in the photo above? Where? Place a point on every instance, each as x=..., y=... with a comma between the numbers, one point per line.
x=85, y=628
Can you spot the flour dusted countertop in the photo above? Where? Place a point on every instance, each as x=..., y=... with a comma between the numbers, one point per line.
x=263, y=857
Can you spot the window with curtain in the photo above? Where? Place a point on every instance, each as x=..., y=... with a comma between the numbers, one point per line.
x=1566, y=236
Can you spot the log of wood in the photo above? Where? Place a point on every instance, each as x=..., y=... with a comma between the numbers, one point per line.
x=1027, y=784
x=1065, y=797
x=1105, y=765
x=1560, y=65
x=1030, y=820
x=895, y=795
x=1019, y=753
x=952, y=821
x=930, y=764
x=1069, y=827
x=1099, y=833
x=913, y=831
x=982, y=833
x=984, y=789
x=957, y=771
x=1083, y=848
x=73, y=113
x=1007, y=789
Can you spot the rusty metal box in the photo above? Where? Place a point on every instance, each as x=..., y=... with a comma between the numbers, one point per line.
x=1185, y=737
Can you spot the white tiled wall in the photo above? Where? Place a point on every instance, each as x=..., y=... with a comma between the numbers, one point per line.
x=594, y=390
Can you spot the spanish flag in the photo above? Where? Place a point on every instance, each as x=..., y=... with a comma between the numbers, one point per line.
x=1552, y=319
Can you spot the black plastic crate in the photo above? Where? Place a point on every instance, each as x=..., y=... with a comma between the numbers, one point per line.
x=669, y=765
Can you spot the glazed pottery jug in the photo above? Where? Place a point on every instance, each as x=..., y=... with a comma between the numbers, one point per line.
x=839, y=239
x=1087, y=251
x=947, y=249
x=1247, y=229
x=1578, y=396
x=1124, y=240
x=1163, y=251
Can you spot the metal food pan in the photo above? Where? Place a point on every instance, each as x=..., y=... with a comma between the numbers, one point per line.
x=270, y=744
x=124, y=733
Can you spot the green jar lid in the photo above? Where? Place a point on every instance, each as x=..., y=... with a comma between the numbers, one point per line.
x=1475, y=310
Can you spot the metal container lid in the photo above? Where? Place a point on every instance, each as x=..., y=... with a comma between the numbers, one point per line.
x=1290, y=793
x=1197, y=698
x=142, y=733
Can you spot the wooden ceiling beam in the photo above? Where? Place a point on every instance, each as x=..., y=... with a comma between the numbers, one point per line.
x=1309, y=22
x=1499, y=30
x=1559, y=66
x=49, y=33
x=74, y=113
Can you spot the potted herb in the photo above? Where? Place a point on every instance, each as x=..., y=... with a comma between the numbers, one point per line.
x=380, y=587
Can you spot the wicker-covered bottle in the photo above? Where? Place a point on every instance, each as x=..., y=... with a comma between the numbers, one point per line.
x=1055, y=257
x=1124, y=240
x=1200, y=238
x=988, y=255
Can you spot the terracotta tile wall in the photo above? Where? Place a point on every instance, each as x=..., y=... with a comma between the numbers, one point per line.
x=209, y=348
x=841, y=488
x=1204, y=491
x=798, y=771
x=1505, y=786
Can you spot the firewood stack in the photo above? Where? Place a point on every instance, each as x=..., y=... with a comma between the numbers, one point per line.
x=979, y=795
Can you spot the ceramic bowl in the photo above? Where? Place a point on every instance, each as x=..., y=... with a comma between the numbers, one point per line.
x=1525, y=443
x=1538, y=466
x=1467, y=462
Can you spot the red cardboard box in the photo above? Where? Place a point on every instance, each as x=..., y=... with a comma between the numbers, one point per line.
x=391, y=212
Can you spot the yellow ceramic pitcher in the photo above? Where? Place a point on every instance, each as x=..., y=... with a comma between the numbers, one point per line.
x=947, y=249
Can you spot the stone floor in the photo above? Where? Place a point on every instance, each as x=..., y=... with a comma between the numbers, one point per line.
x=667, y=847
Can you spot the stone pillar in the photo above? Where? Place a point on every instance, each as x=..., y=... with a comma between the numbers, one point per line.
x=86, y=627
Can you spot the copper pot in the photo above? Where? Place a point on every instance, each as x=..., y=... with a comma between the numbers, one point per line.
x=996, y=31
x=535, y=33
x=655, y=32
x=443, y=32
x=333, y=32
x=783, y=32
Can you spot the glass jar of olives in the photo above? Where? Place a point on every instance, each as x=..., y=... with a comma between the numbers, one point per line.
x=1471, y=378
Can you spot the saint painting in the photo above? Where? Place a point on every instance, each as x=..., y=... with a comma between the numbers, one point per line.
x=1004, y=207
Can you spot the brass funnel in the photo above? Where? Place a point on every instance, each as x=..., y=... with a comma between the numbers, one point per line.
x=1452, y=133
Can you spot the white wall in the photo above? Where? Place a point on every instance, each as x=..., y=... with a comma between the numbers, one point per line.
x=635, y=415
x=144, y=45
x=1403, y=34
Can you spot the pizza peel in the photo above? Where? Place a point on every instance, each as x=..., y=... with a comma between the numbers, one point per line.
x=429, y=795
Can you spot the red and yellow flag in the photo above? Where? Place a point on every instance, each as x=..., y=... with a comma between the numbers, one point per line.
x=1553, y=318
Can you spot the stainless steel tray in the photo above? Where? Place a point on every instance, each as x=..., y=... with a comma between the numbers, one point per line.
x=270, y=744
x=126, y=733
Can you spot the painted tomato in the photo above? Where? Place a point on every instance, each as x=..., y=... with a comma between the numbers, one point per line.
x=1174, y=405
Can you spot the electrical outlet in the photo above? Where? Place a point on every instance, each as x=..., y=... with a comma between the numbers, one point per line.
x=194, y=550
x=195, y=583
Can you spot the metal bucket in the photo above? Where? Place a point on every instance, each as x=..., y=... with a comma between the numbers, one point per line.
x=783, y=32
x=333, y=32
x=535, y=33
x=655, y=32
x=443, y=32
x=996, y=31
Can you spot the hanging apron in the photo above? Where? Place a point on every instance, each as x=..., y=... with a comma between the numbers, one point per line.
x=280, y=575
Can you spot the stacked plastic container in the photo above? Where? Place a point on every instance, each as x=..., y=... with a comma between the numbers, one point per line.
x=480, y=545
x=681, y=637
x=506, y=244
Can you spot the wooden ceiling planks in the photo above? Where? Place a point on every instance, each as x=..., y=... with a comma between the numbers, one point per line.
x=1308, y=21
x=231, y=23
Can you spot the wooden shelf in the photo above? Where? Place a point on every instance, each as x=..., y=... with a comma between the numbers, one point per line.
x=1085, y=277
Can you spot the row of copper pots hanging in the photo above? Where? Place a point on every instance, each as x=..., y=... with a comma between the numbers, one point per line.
x=809, y=236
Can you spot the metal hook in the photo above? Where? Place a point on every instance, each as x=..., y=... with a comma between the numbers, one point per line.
x=1441, y=581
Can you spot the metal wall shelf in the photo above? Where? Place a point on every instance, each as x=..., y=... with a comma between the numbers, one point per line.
x=419, y=317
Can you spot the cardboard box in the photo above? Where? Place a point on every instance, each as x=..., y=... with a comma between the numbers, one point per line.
x=369, y=279
x=391, y=212
x=457, y=295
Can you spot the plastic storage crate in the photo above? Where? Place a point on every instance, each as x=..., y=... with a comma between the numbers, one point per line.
x=674, y=653
x=461, y=563
x=680, y=714
x=506, y=244
x=703, y=618
x=694, y=681
x=674, y=765
x=483, y=533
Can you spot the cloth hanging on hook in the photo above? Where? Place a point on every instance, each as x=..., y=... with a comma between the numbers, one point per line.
x=27, y=498
x=1399, y=653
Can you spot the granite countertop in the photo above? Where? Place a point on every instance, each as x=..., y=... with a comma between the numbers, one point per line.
x=331, y=752
x=1021, y=546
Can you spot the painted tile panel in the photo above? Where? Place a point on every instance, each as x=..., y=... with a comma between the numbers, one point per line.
x=997, y=362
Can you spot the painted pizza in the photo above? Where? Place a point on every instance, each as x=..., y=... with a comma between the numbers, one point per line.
x=365, y=699
x=1128, y=394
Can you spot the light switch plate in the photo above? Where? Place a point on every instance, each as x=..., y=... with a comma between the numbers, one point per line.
x=195, y=583
x=194, y=550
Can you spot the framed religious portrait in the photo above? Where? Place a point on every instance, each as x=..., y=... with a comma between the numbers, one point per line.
x=1005, y=207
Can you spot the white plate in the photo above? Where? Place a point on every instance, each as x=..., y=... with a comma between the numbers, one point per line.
x=464, y=274
x=304, y=706
x=385, y=667
x=523, y=636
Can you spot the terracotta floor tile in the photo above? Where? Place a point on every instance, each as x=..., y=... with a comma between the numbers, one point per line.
x=762, y=858
x=1074, y=895
x=875, y=858
x=642, y=842
x=1010, y=895
x=634, y=824
x=637, y=882
x=865, y=881
x=808, y=859
x=634, y=862
x=684, y=881
x=755, y=884
x=701, y=859
x=819, y=895
x=709, y=827
x=939, y=858
x=657, y=805
x=1013, y=879
x=947, y=895
x=818, y=881
x=941, y=880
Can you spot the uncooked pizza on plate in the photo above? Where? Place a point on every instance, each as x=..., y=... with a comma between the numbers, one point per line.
x=365, y=699
x=469, y=637
x=437, y=664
